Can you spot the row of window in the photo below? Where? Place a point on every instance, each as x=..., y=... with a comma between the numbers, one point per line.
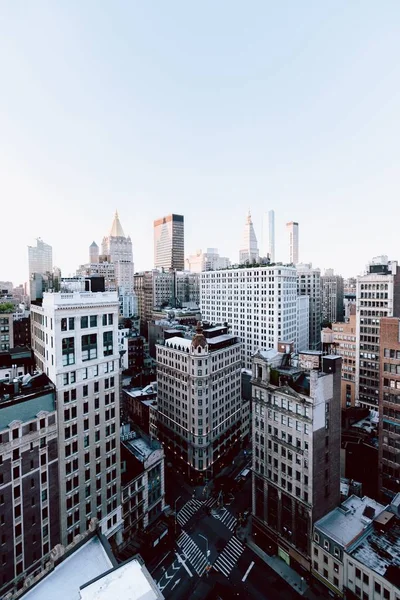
x=68, y=323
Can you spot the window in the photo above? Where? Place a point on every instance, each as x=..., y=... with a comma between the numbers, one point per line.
x=93, y=321
x=325, y=573
x=325, y=559
x=336, y=567
x=89, y=346
x=386, y=594
x=365, y=579
x=377, y=587
x=107, y=343
x=84, y=322
x=326, y=544
x=68, y=351
x=358, y=573
x=316, y=537
x=336, y=582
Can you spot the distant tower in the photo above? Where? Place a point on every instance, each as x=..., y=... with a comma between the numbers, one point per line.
x=40, y=258
x=249, y=248
x=119, y=248
x=169, y=243
x=269, y=235
x=93, y=253
x=293, y=233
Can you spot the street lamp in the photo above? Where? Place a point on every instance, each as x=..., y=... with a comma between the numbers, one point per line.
x=207, y=550
x=178, y=498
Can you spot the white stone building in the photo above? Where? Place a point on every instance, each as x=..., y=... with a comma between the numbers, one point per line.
x=303, y=319
x=309, y=284
x=258, y=303
x=249, y=253
x=75, y=342
x=199, y=397
x=292, y=229
x=209, y=260
x=119, y=248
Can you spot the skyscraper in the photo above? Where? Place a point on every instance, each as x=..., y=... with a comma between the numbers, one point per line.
x=269, y=235
x=248, y=253
x=119, y=248
x=75, y=342
x=40, y=258
x=93, y=253
x=309, y=284
x=332, y=297
x=169, y=243
x=292, y=229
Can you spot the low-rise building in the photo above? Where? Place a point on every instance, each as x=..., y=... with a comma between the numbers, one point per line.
x=137, y=403
x=142, y=478
x=16, y=362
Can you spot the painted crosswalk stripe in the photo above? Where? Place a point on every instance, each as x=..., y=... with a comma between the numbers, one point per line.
x=227, y=519
x=192, y=552
x=229, y=556
x=188, y=510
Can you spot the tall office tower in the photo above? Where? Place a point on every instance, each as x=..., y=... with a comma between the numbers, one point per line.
x=119, y=248
x=296, y=449
x=199, y=398
x=269, y=295
x=269, y=235
x=389, y=408
x=377, y=296
x=169, y=243
x=309, y=284
x=29, y=486
x=303, y=324
x=207, y=261
x=292, y=229
x=40, y=258
x=75, y=343
x=332, y=297
x=248, y=253
x=93, y=253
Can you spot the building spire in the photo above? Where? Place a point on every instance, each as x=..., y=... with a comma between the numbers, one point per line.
x=116, y=228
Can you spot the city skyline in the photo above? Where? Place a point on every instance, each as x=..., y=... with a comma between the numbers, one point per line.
x=293, y=118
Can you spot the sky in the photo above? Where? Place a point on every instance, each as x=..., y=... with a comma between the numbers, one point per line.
x=203, y=109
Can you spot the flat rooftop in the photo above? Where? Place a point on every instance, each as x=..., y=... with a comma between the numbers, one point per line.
x=184, y=343
x=130, y=581
x=345, y=523
x=63, y=583
x=142, y=448
x=380, y=551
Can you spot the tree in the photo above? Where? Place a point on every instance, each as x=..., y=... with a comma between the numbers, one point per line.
x=7, y=307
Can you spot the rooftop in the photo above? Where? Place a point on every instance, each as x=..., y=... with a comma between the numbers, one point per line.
x=84, y=564
x=380, y=550
x=130, y=581
x=345, y=523
x=181, y=343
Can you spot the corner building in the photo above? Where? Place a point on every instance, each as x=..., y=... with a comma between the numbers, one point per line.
x=296, y=450
x=199, y=398
x=75, y=342
x=259, y=303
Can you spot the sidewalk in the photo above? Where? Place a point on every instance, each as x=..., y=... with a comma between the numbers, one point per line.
x=286, y=572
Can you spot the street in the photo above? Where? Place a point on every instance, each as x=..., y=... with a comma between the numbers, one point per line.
x=208, y=555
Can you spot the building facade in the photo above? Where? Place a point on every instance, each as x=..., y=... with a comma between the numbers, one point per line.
x=199, y=398
x=269, y=235
x=119, y=248
x=29, y=485
x=303, y=320
x=332, y=297
x=292, y=230
x=6, y=331
x=259, y=303
x=75, y=342
x=210, y=260
x=344, y=343
x=389, y=408
x=309, y=284
x=169, y=243
x=378, y=295
x=40, y=258
x=248, y=253
x=296, y=449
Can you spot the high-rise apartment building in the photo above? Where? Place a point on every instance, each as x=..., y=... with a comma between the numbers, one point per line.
x=259, y=303
x=207, y=261
x=40, y=258
x=199, y=398
x=309, y=284
x=29, y=486
x=378, y=295
x=75, y=342
x=296, y=449
x=119, y=248
x=169, y=243
x=269, y=235
x=344, y=342
x=389, y=408
x=249, y=253
x=332, y=297
x=292, y=229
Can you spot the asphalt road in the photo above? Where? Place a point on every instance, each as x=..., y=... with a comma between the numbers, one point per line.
x=183, y=573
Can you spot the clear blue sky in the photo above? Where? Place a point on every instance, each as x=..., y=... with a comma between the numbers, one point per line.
x=205, y=109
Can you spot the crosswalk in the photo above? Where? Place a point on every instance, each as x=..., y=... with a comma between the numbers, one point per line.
x=210, y=502
x=192, y=552
x=229, y=556
x=188, y=510
x=227, y=518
